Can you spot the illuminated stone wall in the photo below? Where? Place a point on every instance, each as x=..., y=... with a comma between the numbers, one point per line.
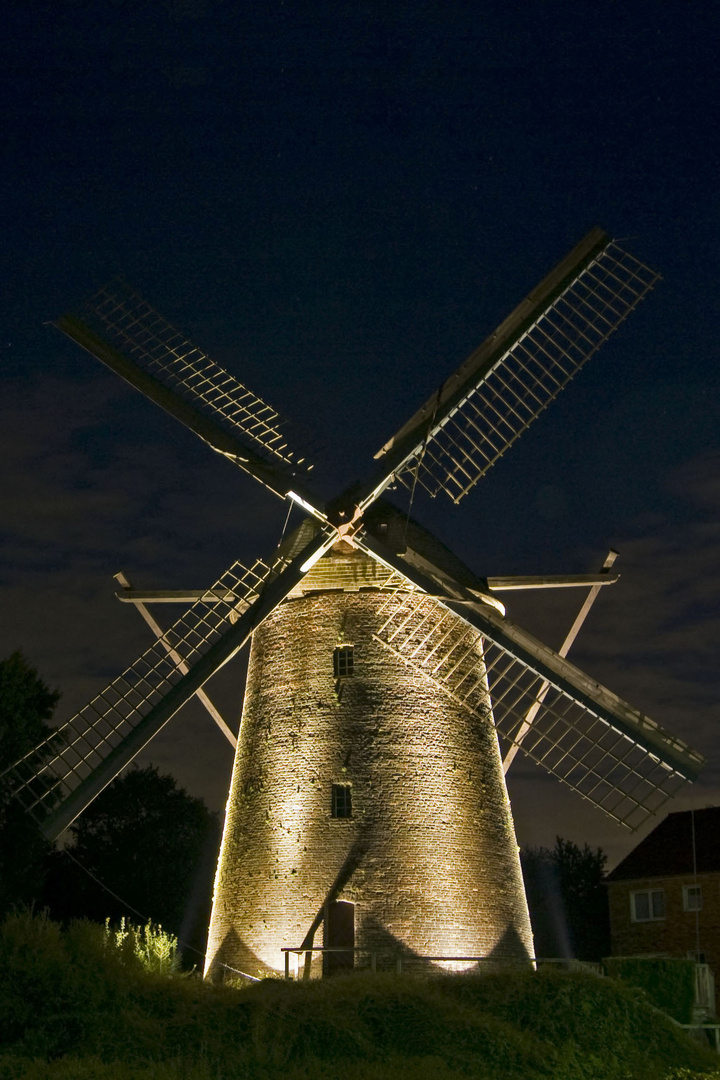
x=429, y=857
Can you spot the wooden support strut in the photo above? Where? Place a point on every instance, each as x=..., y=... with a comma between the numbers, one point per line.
x=562, y=651
x=174, y=655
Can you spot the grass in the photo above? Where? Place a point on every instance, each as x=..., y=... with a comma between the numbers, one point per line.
x=76, y=1006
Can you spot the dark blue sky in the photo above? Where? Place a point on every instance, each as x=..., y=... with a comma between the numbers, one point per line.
x=338, y=204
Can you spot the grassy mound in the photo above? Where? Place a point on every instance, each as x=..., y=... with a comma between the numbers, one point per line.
x=75, y=1007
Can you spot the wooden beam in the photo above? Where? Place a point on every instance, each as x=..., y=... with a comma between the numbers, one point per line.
x=182, y=666
x=551, y=581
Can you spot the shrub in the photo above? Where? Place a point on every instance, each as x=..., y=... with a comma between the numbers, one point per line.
x=668, y=982
x=150, y=944
x=52, y=984
x=85, y=1004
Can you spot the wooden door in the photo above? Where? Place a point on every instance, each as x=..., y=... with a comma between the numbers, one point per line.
x=339, y=931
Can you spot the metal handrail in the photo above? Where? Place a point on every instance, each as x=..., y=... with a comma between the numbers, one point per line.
x=707, y=1027
x=373, y=953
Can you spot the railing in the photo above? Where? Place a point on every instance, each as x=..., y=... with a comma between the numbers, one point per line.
x=704, y=990
x=712, y=1032
x=402, y=960
x=334, y=949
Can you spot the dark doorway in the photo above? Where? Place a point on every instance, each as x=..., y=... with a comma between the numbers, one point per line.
x=339, y=931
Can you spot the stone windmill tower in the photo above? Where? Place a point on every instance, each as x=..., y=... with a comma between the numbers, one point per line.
x=368, y=803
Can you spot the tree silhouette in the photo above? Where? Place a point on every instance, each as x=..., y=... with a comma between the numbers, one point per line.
x=26, y=706
x=143, y=849
x=567, y=899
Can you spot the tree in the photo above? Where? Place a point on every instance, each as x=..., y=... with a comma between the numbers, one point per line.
x=143, y=848
x=26, y=706
x=567, y=899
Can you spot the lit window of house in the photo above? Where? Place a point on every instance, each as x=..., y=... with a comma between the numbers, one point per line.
x=692, y=898
x=647, y=905
x=341, y=801
x=343, y=661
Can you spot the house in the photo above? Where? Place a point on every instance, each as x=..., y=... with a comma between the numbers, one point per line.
x=664, y=896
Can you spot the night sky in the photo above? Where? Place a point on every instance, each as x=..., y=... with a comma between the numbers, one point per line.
x=338, y=203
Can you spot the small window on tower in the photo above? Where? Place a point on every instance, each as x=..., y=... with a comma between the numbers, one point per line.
x=341, y=800
x=343, y=662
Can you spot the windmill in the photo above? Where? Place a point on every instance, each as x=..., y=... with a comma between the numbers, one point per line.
x=368, y=797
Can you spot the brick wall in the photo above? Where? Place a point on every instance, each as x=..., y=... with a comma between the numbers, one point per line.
x=676, y=933
x=429, y=857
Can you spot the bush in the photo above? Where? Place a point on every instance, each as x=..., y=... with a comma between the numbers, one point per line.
x=668, y=982
x=604, y=1026
x=150, y=944
x=55, y=986
x=85, y=1004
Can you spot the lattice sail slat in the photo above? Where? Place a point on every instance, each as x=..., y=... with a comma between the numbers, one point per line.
x=49, y=773
x=579, y=747
x=124, y=320
x=467, y=442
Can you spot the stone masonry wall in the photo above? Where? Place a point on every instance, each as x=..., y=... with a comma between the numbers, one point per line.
x=676, y=933
x=429, y=856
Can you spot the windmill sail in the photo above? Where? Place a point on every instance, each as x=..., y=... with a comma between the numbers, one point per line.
x=583, y=734
x=119, y=328
x=479, y=412
x=61, y=776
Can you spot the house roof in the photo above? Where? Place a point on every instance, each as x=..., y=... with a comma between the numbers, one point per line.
x=668, y=849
